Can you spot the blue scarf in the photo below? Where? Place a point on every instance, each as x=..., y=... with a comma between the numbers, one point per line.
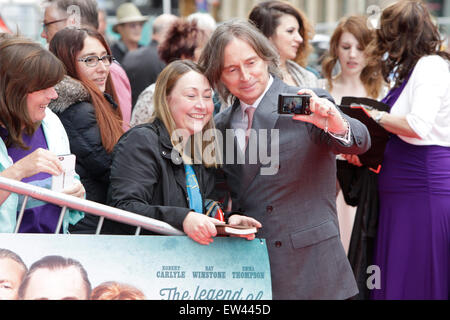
x=193, y=190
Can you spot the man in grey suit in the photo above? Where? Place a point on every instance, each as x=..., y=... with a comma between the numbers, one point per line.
x=296, y=199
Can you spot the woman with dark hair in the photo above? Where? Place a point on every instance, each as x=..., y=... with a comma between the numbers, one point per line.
x=289, y=31
x=412, y=246
x=184, y=40
x=87, y=108
x=156, y=170
x=32, y=136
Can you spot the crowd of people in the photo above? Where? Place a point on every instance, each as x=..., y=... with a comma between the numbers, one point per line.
x=176, y=131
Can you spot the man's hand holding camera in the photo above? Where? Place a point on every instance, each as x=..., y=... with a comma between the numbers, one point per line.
x=324, y=115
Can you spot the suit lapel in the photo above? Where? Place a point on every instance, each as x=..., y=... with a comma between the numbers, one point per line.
x=223, y=122
x=265, y=117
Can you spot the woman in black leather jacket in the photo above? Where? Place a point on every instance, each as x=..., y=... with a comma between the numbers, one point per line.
x=86, y=107
x=151, y=172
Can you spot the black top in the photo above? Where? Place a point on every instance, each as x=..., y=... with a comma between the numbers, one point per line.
x=142, y=67
x=93, y=161
x=145, y=180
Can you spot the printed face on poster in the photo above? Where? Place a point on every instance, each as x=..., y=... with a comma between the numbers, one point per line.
x=159, y=267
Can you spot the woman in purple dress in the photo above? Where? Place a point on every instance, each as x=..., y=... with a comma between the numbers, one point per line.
x=413, y=241
x=31, y=135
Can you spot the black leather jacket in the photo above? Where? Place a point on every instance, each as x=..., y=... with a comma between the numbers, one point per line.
x=145, y=180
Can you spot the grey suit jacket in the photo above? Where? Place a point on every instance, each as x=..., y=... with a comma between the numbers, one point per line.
x=297, y=205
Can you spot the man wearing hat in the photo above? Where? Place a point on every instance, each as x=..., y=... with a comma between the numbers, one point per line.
x=129, y=25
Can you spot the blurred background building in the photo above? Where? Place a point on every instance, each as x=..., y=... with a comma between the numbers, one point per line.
x=26, y=15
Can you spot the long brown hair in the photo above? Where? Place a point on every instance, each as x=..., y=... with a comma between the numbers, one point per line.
x=371, y=74
x=66, y=44
x=25, y=67
x=266, y=16
x=406, y=34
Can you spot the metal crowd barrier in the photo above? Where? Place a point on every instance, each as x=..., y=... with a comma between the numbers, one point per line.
x=87, y=206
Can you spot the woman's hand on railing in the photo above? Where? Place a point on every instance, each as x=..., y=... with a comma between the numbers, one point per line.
x=200, y=227
x=76, y=190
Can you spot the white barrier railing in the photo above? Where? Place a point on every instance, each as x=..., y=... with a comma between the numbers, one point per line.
x=98, y=209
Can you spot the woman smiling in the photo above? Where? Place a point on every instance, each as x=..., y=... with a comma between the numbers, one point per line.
x=289, y=31
x=153, y=172
x=87, y=108
x=32, y=136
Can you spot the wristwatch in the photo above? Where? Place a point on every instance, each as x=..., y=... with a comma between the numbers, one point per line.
x=378, y=116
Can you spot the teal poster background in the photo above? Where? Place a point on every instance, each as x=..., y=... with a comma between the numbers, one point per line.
x=162, y=267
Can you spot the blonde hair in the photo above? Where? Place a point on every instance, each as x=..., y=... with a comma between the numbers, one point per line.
x=164, y=85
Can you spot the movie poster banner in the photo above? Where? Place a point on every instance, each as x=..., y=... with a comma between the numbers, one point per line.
x=161, y=267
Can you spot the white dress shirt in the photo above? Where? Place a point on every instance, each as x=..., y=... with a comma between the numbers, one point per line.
x=239, y=122
x=425, y=101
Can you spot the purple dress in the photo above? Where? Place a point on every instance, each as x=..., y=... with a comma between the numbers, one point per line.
x=413, y=242
x=39, y=217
